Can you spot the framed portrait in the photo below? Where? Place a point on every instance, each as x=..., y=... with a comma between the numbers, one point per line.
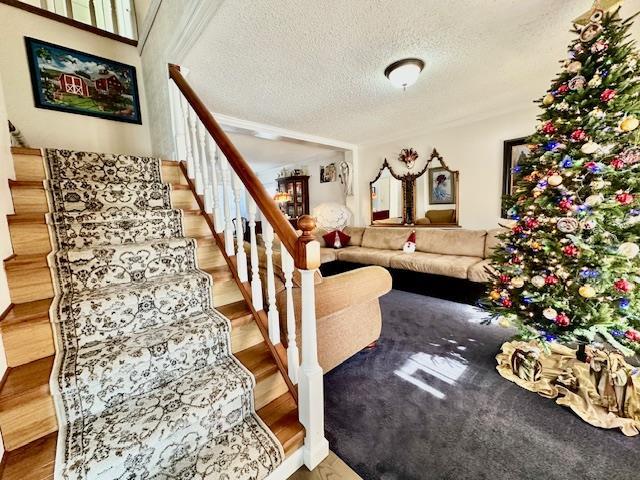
x=328, y=173
x=442, y=186
x=514, y=151
x=75, y=82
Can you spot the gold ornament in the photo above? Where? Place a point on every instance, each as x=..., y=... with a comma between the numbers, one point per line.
x=494, y=295
x=590, y=148
x=504, y=322
x=593, y=200
x=548, y=99
x=555, y=180
x=549, y=313
x=629, y=124
x=629, y=249
x=537, y=281
x=574, y=67
x=587, y=291
x=517, y=282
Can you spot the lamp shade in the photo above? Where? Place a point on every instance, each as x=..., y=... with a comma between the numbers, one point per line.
x=404, y=73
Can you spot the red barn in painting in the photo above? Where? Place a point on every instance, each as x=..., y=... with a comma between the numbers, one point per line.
x=108, y=84
x=70, y=83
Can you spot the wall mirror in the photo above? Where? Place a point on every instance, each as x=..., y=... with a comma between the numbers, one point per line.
x=401, y=200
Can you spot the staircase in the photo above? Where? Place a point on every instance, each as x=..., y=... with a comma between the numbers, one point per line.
x=27, y=415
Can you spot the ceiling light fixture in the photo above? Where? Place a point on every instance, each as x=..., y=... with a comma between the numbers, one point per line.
x=405, y=72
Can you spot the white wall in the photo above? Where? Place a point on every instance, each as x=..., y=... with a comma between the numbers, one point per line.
x=48, y=128
x=475, y=149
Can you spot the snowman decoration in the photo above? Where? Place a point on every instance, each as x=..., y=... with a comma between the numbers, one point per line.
x=410, y=245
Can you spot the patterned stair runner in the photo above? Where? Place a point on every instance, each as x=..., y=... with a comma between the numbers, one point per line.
x=145, y=384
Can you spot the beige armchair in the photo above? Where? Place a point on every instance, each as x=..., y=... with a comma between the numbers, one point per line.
x=347, y=309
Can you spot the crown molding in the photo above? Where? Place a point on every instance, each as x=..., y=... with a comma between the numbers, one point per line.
x=190, y=27
x=147, y=24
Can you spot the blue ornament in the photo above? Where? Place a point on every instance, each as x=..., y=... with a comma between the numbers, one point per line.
x=542, y=184
x=589, y=273
x=527, y=300
x=624, y=303
x=567, y=162
x=604, y=73
x=583, y=208
x=634, y=212
x=595, y=168
x=551, y=145
x=617, y=333
x=549, y=337
x=516, y=169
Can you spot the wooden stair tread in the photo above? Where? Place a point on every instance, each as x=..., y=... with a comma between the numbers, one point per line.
x=24, y=312
x=220, y=273
x=26, y=151
x=258, y=360
x=36, y=260
x=281, y=416
x=236, y=311
x=30, y=380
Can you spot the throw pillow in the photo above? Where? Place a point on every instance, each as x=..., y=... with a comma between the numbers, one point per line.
x=336, y=239
x=410, y=245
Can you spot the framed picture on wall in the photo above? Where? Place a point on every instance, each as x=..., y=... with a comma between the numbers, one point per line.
x=328, y=173
x=75, y=82
x=514, y=151
x=442, y=186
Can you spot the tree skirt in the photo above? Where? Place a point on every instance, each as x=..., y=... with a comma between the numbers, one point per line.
x=144, y=383
x=604, y=390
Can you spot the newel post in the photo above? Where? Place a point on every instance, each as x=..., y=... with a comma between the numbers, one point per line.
x=310, y=387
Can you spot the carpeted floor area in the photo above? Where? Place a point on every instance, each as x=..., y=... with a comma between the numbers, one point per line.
x=427, y=403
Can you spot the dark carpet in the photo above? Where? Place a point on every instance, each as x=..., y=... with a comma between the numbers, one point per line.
x=428, y=403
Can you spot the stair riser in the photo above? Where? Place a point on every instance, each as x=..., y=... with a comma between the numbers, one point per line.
x=31, y=168
x=34, y=200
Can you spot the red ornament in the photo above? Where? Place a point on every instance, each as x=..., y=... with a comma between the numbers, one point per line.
x=505, y=278
x=578, y=135
x=623, y=285
x=571, y=250
x=562, y=320
x=506, y=302
x=607, y=95
x=551, y=280
x=517, y=229
x=517, y=260
x=617, y=163
x=531, y=223
x=549, y=128
x=562, y=89
x=632, y=335
x=624, y=198
x=565, y=204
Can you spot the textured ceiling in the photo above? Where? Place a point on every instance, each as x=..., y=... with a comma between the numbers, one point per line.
x=267, y=154
x=317, y=66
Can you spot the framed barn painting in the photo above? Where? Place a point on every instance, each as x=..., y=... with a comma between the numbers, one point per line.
x=75, y=82
x=514, y=151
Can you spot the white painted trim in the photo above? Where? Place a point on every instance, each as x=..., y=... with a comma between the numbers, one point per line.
x=147, y=24
x=190, y=28
x=287, y=468
x=269, y=132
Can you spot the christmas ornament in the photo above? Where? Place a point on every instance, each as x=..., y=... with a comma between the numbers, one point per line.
x=565, y=204
x=574, y=67
x=590, y=31
x=571, y=250
x=595, y=81
x=504, y=322
x=548, y=128
x=506, y=302
x=551, y=280
x=587, y=291
x=538, y=281
x=555, y=180
x=630, y=157
x=562, y=320
x=548, y=99
x=590, y=148
x=624, y=303
x=577, y=83
x=578, y=135
x=562, y=89
x=599, y=47
x=629, y=249
x=549, y=313
x=617, y=163
x=594, y=200
x=624, y=198
x=623, y=285
x=494, y=295
x=598, y=184
x=607, y=95
x=567, y=225
x=517, y=282
x=632, y=335
x=629, y=124
x=567, y=162
x=594, y=167
x=563, y=106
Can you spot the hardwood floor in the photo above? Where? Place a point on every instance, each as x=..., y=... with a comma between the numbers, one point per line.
x=331, y=468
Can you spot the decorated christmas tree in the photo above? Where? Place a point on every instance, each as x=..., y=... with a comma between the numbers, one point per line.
x=568, y=270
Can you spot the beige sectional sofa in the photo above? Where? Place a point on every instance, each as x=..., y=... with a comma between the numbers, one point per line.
x=456, y=253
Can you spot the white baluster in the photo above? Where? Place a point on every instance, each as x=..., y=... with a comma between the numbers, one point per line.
x=178, y=124
x=310, y=388
x=214, y=195
x=184, y=106
x=293, y=358
x=204, y=170
x=197, y=174
x=241, y=256
x=272, y=314
x=226, y=195
x=256, y=283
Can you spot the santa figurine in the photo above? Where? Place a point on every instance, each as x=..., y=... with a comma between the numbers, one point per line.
x=410, y=245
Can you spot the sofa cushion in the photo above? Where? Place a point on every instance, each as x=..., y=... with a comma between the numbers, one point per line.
x=328, y=254
x=467, y=243
x=492, y=241
x=448, y=265
x=356, y=235
x=368, y=256
x=318, y=234
x=385, y=238
x=441, y=216
x=478, y=272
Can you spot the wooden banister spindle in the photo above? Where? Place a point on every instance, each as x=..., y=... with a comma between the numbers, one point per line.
x=293, y=355
x=212, y=159
x=226, y=195
x=310, y=387
x=272, y=313
x=256, y=283
x=184, y=106
x=241, y=256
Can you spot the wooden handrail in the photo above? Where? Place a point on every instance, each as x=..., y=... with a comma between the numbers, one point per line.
x=295, y=246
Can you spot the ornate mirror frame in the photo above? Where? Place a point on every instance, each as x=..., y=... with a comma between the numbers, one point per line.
x=408, y=182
